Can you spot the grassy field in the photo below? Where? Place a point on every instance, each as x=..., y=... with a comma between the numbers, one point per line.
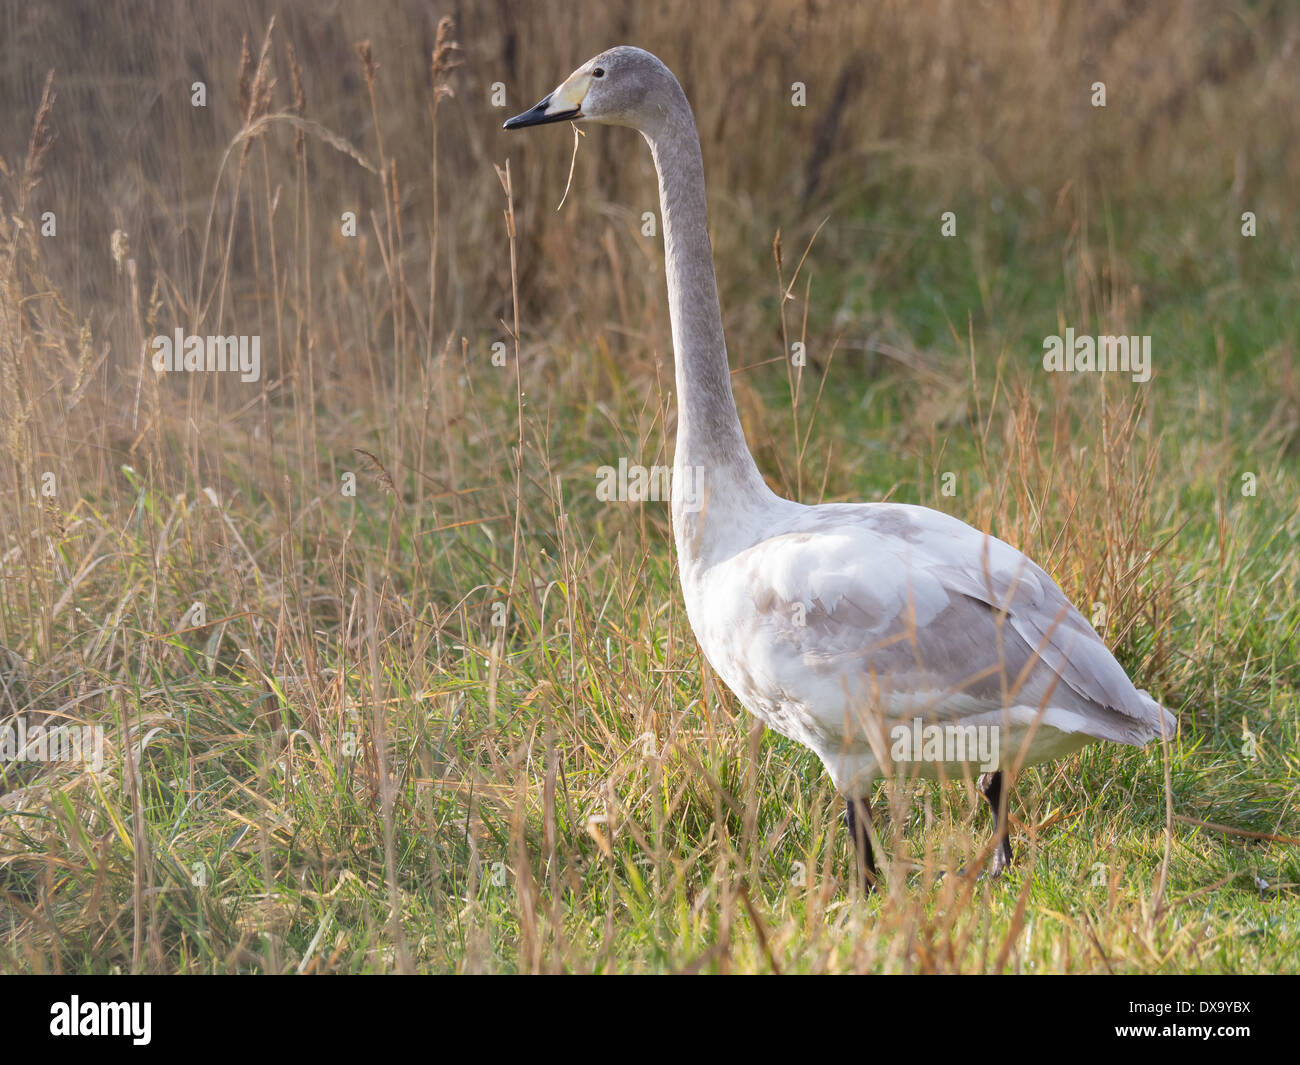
x=383, y=685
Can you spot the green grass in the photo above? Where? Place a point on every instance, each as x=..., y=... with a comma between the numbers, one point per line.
x=347, y=766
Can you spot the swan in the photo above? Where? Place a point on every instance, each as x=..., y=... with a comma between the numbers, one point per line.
x=849, y=628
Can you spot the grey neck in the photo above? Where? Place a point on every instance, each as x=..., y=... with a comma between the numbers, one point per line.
x=711, y=451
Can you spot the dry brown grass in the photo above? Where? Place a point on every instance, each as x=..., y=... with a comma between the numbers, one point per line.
x=572, y=789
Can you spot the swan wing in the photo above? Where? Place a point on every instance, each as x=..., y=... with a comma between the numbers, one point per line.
x=913, y=611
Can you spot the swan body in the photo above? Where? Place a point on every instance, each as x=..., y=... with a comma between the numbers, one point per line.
x=838, y=624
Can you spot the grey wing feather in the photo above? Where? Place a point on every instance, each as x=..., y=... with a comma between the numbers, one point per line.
x=1062, y=639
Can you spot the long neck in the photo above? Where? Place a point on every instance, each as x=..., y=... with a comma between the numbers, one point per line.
x=712, y=466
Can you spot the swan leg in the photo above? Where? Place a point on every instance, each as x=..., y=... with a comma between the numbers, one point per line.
x=991, y=788
x=857, y=819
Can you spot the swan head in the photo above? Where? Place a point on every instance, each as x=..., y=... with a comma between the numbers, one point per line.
x=622, y=86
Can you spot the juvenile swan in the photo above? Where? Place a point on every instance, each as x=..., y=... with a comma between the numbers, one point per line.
x=843, y=626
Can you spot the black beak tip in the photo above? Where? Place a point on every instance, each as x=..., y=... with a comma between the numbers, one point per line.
x=537, y=116
x=532, y=117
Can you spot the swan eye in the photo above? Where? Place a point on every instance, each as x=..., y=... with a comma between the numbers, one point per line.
x=599, y=72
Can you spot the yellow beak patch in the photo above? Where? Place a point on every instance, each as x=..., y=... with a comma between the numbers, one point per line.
x=569, y=96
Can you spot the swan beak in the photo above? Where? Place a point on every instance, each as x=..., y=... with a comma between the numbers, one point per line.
x=563, y=105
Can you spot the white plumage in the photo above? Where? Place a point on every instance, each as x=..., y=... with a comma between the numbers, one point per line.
x=838, y=621
x=839, y=624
